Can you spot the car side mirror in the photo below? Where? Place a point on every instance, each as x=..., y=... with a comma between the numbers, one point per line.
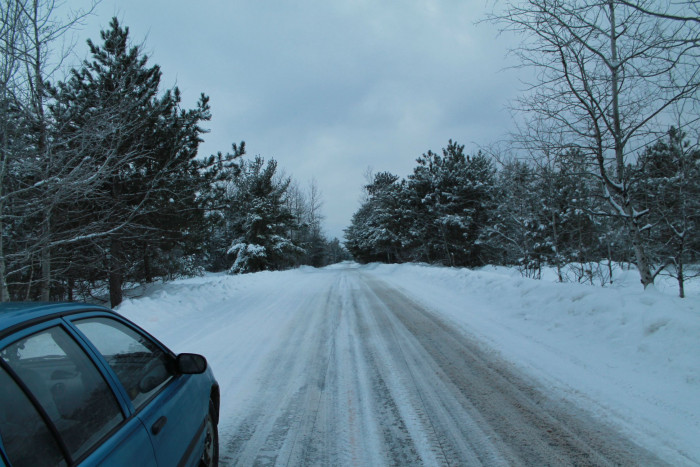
x=190, y=364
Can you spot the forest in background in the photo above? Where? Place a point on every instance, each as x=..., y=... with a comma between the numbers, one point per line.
x=604, y=166
x=469, y=211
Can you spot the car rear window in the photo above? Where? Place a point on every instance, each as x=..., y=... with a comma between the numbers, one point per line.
x=27, y=440
x=68, y=386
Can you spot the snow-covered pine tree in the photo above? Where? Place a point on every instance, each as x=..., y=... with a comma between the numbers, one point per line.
x=258, y=221
x=142, y=198
x=379, y=229
x=510, y=226
x=451, y=194
x=667, y=179
x=219, y=173
x=357, y=235
x=546, y=214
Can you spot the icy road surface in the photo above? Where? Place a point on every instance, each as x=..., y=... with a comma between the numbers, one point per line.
x=343, y=369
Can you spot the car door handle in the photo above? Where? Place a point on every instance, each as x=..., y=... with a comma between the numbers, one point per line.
x=158, y=425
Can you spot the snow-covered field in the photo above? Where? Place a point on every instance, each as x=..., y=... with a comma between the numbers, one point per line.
x=630, y=357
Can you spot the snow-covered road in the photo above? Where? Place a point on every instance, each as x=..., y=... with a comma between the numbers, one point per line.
x=366, y=366
x=358, y=374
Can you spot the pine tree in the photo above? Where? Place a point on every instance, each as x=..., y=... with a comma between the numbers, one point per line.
x=546, y=215
x=451, y=196
x=379, y=229
x=218, y=173
x=668, y=182
x=258, y=220
x=140, y=147
x=437, y=215
x=510, y=227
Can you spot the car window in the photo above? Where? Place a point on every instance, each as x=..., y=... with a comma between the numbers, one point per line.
x=27, y=440
x=68, y=386
x=141, y=365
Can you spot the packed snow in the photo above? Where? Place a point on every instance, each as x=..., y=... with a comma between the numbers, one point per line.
x=628, y=356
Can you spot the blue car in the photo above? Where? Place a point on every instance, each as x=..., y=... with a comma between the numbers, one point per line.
x=81, y=385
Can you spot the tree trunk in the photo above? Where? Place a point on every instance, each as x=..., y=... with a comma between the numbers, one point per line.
x=116, y=274
x=115, y=286
x=46, y=262
x=557, y=261
x=45, y=274
x=37, y=94
x=610, y=268
x=679, y=266
x=642, y=259
x=4, y=293
x=448, y=254
x=28, y=296
x=147, y=272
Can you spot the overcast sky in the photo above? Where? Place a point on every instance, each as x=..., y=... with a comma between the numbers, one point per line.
x=328, y=87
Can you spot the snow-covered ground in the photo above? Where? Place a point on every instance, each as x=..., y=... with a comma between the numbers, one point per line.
x=630, y=357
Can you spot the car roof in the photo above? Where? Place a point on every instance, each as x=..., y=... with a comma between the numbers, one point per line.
x=15, y=313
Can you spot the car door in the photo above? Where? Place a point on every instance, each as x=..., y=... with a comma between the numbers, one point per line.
x=170, y=406
x=52, y=388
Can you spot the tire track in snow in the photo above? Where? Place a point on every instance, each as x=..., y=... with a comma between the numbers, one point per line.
x=443, y=431
x=312, y=407
x=363, y=375
x=398, y=447
x=258, y=439
x=512, y=414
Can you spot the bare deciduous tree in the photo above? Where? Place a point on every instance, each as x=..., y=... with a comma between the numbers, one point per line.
x=608, y=73
x=29, y=33
x=10, y=29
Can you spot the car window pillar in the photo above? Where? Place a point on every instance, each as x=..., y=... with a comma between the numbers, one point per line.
x=103, y=367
